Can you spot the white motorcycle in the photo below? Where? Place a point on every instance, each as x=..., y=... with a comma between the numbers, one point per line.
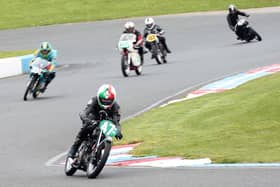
x=37, y=69
x=130, y=57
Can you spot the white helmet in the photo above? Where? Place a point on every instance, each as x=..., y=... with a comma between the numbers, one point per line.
x=129, y=26
x=149, y=22
x=231, y=8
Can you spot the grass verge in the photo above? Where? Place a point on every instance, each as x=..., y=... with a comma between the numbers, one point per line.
x=240, y=125
x=6, y=54
x=25, y=13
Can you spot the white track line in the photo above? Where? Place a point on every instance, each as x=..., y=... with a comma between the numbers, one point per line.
x=51, y=161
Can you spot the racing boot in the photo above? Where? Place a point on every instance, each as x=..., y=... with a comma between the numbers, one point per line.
x=44, y=87
x=165, y=45
x=166, y=48
x=74, y=148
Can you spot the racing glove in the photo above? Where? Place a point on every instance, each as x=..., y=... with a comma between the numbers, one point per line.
x=119, y=136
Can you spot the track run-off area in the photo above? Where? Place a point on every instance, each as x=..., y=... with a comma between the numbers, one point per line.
x=204, y=50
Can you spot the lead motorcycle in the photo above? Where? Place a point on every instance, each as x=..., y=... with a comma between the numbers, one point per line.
x=36, y=77
x=158, y=51
x=93, y=153
x=245, y=32
x=130, y=60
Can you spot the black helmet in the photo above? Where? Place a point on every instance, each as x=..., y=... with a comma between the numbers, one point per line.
x=232, y=8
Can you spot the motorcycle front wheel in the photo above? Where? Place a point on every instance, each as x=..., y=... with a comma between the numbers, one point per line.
x=257, y=36
x=29, y=87
x=125, y=66
x=36, y=90
x=155, y=53
x=68, y=168
x=97, y=163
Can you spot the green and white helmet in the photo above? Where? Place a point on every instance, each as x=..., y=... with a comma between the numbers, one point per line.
x=106, y=96
x=45, y=48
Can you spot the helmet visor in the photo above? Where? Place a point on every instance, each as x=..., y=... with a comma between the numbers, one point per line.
x=150, y=25
x=130, y=29
x=45, y=51
x=106, y=102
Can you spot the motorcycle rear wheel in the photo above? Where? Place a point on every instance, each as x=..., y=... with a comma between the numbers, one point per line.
x=138, y=70
x=94, y=169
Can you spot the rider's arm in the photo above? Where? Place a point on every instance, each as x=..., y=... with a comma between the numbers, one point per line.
x=242, y=13
x=139, y=39
x=145, y=33
x=159, y=30
x=116, y=116
x=231, y=26
x=84, y=114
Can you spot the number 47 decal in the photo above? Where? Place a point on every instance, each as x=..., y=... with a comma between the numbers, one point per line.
x=107, y=128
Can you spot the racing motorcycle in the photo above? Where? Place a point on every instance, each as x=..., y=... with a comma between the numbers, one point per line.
x=158, y=51
x=130, y=59
x=36, y=77
x=93, y=153
x=245, y=32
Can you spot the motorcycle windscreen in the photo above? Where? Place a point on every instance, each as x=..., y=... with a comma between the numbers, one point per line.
x=40, y=63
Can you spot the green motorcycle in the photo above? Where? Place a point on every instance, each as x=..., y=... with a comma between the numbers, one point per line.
x=93, y=153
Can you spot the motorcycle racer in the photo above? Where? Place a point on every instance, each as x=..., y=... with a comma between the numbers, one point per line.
x=153, y=28
x=47, y=53
x=232, y=17
x=104, y=101
x=130, y=28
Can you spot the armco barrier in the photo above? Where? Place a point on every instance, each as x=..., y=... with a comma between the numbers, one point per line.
x=16, y=65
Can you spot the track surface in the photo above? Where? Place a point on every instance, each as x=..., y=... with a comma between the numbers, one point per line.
x=203, y=50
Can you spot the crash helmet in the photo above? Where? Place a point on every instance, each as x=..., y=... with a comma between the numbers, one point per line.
x=45, y=48
x=129, y=27
x=232, y=8
x=149, y=22
x=106, y=96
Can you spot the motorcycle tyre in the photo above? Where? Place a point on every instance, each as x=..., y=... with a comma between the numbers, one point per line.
x=124, y=66
x=71, y=171
x=100, y=163
x=138, y=70
x=36, y=89
x=155, y=54
x=29, y=87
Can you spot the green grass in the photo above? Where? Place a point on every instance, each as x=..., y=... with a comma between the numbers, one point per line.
x=240, y=125
x=25, y=13
x=6, y=54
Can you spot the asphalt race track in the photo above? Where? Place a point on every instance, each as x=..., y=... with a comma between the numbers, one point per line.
x=204, y=49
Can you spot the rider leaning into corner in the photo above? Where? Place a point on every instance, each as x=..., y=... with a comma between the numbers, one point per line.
x=152, y=28
x=47, y=53
x=130, y=28
x=232, y=17
x=106, y=101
